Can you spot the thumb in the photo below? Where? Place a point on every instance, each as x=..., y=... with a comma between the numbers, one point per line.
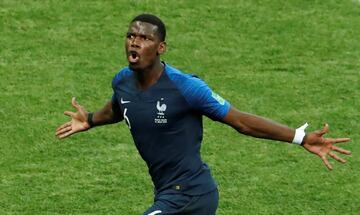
x=69, y=113
x=324, y=130
x=74, y=103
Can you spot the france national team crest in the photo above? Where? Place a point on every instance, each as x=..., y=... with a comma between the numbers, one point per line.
x=161, y=108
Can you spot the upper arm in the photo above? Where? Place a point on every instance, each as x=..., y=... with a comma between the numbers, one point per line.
x=114, y=107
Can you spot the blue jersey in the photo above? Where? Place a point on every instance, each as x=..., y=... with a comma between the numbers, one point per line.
x=166, y=124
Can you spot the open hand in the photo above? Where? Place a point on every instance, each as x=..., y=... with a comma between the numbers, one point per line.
x=317, y=144
x=77, y=123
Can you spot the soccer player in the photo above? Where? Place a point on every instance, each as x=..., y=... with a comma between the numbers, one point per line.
x=163, y=109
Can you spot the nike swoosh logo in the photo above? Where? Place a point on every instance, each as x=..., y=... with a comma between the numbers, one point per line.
x=124, y=102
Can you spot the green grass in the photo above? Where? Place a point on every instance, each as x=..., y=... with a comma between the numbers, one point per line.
x=291, y=61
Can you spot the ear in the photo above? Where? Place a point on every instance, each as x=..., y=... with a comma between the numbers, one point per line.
x=161, y=48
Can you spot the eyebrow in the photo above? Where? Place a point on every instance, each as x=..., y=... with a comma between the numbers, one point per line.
x=139, y=34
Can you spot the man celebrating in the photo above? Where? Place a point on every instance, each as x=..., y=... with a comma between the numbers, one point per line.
x=163, y=109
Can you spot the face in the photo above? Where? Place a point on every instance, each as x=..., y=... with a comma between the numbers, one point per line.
x=143, y=46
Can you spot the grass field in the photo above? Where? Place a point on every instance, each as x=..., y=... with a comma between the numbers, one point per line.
x=291, y=61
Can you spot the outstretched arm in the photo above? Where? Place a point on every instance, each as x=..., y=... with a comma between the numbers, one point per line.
x=80, y=119
x=259, y=127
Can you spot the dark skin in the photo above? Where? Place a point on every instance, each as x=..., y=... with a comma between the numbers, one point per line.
x=143, y=48
x=142, y=40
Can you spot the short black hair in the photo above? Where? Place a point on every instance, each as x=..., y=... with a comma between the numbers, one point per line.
x=154, y=20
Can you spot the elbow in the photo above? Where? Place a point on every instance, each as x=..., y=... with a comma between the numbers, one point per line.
x=243, y=129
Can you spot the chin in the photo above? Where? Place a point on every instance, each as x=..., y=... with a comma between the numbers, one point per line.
x=135, y=66
x=139, y=67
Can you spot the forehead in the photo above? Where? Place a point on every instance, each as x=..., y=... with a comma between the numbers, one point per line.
x=143, y=28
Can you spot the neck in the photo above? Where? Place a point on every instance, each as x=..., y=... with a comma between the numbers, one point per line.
x=149, y=76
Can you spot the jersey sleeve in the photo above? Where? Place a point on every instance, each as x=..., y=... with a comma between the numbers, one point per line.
x=116, y=80
x=115, y=106
x=202, y=98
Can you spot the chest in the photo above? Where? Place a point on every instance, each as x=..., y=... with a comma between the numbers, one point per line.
x=152, y=110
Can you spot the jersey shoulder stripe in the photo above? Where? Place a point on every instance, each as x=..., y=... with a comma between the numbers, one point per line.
x=122, y=74
x=198, y=94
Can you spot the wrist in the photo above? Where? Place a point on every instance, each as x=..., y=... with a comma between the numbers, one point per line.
x=90, y=119
x=304, y=140
x=300, y=135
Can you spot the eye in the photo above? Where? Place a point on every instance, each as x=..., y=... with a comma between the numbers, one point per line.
x=144, y=37
x=130, y=36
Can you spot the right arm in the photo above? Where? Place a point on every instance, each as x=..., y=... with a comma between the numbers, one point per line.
x=79, y=119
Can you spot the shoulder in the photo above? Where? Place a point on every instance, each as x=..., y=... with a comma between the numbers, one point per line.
x=183, y=81
x=192, y=88
x=121, y=75
x=198, y=94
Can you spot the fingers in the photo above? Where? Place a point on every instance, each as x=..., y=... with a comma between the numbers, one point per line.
x=337, y=157
x=326, y=162
x=342, y=151
x=334, y=156
x=64, y=130
x=76, y=105
x=66, y=134
x=325, y=130
x=63, y=126
x=340, y=140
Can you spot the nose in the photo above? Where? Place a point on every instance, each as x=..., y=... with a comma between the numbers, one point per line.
x=134, y=42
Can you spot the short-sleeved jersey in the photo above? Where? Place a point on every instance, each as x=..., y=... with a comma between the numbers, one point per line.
x=165, y=122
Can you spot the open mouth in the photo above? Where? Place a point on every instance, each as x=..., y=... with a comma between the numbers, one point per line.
x=133, y=57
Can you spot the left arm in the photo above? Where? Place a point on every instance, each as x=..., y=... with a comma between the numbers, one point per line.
x=259, y=127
